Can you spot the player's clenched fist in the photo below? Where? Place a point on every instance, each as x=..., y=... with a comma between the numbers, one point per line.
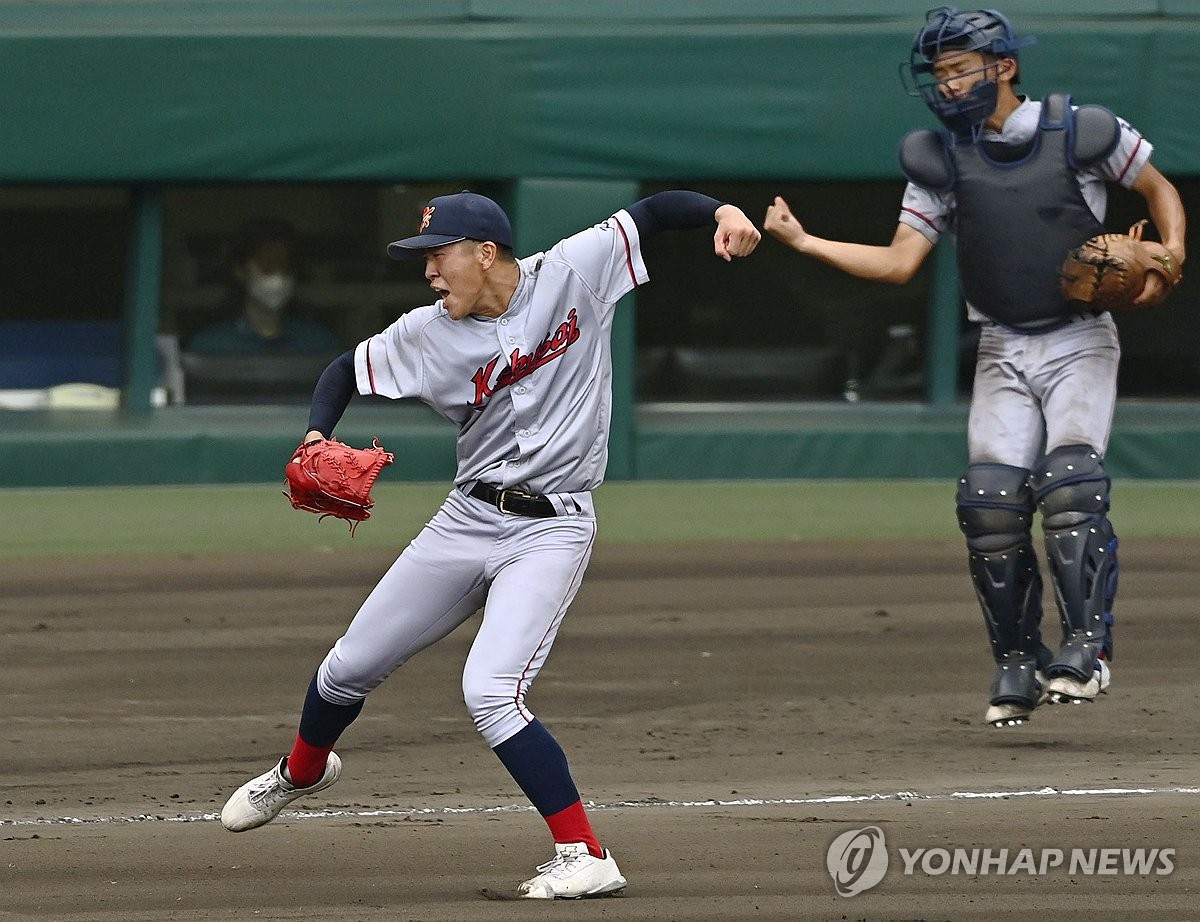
x=736, y=234
x=781, y=224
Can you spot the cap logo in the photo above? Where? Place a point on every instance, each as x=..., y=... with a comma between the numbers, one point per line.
x=425, y=217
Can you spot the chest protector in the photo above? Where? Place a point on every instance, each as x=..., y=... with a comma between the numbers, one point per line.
x=1018, y=208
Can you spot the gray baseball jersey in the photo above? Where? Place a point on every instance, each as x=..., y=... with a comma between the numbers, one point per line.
x=531, y=394
x=531, y=391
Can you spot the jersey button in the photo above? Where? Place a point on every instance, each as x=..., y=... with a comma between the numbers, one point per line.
x=521, y=389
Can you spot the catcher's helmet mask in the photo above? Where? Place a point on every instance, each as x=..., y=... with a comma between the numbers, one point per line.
x=948, y=30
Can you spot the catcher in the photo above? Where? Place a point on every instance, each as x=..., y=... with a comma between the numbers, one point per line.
x=1022, y=184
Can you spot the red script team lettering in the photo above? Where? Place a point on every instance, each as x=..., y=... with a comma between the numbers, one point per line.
x=520, y=365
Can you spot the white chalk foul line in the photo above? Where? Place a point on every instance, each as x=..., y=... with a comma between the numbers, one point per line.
x=1047, y=792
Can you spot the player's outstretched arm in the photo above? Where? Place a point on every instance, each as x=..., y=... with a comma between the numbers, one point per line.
x=680, y=209
x=896, y=263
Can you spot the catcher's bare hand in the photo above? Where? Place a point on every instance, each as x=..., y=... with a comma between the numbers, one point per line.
x=1155, y=290
x=781, y=224
x=736, y=234
x=1159, y=284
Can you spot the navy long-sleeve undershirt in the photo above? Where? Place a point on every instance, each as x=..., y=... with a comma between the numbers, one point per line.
x=332, y=394
x=675, y=209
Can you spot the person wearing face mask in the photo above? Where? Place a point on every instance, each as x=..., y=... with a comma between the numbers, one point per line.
x=261, y=311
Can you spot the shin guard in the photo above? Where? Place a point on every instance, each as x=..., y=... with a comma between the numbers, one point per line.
x=995, y=512
x=1072, y=492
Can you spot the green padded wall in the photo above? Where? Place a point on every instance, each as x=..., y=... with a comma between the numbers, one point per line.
x=262, y=90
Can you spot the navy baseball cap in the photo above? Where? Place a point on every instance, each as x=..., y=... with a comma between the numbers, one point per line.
x=451, y=218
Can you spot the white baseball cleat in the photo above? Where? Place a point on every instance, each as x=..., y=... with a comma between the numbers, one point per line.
x=260, y=799
x=573, y=874
x=1019, y=708
x=1010, y=714
x=1070, y=690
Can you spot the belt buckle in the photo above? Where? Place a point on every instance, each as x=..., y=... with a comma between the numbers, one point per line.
x=519, y=494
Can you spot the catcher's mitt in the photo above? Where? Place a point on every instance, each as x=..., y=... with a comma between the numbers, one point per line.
x=1109, y=271
x=328, y=477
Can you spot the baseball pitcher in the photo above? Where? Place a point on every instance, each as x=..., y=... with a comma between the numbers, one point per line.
x=516, y=353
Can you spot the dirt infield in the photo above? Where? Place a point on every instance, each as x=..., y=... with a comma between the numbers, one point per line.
x=730, y=709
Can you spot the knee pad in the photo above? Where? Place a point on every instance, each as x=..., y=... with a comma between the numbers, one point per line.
x=995, y=506
x=995, y=512
x=1071, y=487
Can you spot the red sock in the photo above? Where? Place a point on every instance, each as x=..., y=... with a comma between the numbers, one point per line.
x=571, y=825
x=306, y=764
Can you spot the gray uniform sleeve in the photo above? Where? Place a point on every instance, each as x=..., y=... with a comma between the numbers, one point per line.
x=606, y=257
x=1126, y=161
x=925, y=211
x=390, y=363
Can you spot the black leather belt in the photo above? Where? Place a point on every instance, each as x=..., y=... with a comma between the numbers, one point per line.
x=514, y=502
